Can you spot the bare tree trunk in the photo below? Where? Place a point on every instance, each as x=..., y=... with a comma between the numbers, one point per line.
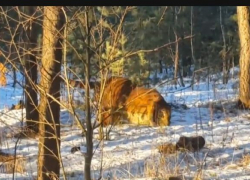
x=176, y=62
x=233, y=67
x=192, y=46
x=14, y=60
x=14, y=77
x=176, y=65
x=191, y=40
x=89, y=135
x=49, y=108
x=31, y=101
x=160, y=66
x=224, y=56
x=244, y=34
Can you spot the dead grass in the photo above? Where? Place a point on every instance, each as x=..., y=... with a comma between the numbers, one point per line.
x=245, y=161
x=161, y=166
x=198, y=175
x=165, y=166
x=26, y=133
x=8, y=162
x=19, y=105
x=167, y=148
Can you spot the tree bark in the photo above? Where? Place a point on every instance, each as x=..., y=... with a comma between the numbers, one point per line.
x=89, y=134
x=224, y=54
x=49, y=109
x=14, y=77
x=244, y=34
x=176, y=61
x=31, y=101
x=191, y=40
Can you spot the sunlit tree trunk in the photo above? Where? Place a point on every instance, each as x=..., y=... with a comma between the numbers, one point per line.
x=49, y=109
x=89, y=135
x=244, y=34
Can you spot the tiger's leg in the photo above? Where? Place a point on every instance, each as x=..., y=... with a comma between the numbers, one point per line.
x=151, y=116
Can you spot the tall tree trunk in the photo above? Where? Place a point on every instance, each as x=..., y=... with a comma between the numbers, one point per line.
x=31, y=100
x=49, y=109
x=224, y=53
x=191, y=40
x=14, y=77
x=14, y=59
x=176, y=61
x=89, y=135
x=192, y=46
x=244, y=34
x=160, y=66
x=176, y=64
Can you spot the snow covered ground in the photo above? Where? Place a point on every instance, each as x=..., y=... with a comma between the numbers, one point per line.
x=132, y=151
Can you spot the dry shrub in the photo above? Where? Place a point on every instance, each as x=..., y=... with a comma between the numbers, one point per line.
x=76, y=84
x=81, y=84
x=115, y=93
x=147, y=107
x=8, y=162
x=167, y=148
x=174, y=178
x=157, y=167
x=19, y=105
x=3, y=70
x=65, y=104
x=73, y=104
x=198, y=175
x=245, y=161
x=26, y=132
x=151, y=169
